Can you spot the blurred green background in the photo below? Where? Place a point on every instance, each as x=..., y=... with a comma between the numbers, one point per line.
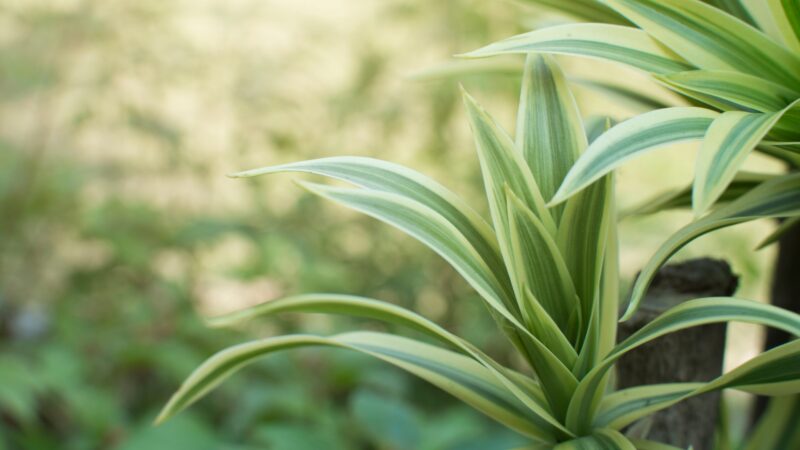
x=119, y=231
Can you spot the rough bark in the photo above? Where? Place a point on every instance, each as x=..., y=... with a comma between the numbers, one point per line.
x=691, y=355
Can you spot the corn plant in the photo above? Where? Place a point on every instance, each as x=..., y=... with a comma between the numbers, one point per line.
x=548, y=276
x=737, y=61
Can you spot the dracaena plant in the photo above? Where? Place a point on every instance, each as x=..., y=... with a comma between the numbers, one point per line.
x=548, y=276
x=736, y=61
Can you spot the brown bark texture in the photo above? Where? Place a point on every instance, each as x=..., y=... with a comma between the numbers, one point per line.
x=691, y=355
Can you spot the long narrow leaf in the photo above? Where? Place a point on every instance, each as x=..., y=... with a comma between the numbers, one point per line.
x=743, y=182
x=502, y=164
x=775, y=372
x=779, y=426
x=528, y=392
x=633, y=137
x=710, y=39
x=458, y=375
x=550, y=131
x=729, y=140
x=726, y=90
x=626, y=45
x=779, y=197
x=688, y=314
x=780, y=19
x=601, y=439
x=537, y=263
x=394, y=178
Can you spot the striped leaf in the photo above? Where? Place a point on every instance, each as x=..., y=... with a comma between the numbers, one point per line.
x=729, y=140
x=456, y=374
x=549, y=127
x=780, y=19
x=782, y=229
x=775, y=372
x=524, y=389
x=536, y=263
x=728, y=90
x=393, y=178
x=601, y=439
x=734, y=8
x=686, y=315
x=626, y=45
x=743, y=182
x=502, y=164
x=633, y=137
x=433, y=230
x=582, y=238
x=710, y=39
x=628, y=405
x=779, y=197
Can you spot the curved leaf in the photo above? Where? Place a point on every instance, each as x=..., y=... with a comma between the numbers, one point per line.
x=550, y=131
x=780, y=19
x=779, y=197
x=775, y=372
x=731, y=90
x=502, y=164
x=529, y=393
x=601, y=439
x=626, y=45
x=743, y=182
x=633, y=137
x=537, y=263
x=431, y=229
x=729, y=140
x=711, y=39
x=686, y=315
x=393, y=178
x=456, y=374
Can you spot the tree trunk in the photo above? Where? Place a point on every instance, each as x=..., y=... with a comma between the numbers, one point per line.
x=690, y=355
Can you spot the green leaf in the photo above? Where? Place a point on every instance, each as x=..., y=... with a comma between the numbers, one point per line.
x=688, y=314
x=626, y=45
x=393, y=178
x=628, y=405
x=601, y=439
x=502, y=164
x=711, y=39
x=633, y=137
x=433, y=230
x=582, y=237
x=779, y=197
x=550, y=131
x=458, y=375
x=731, y=90
x=536, y=263
x=522, y=387
x=779, y=426
x=784, y=227
x=729, y=140
x=780, y=19
x=775, y=372
x=743, y=182
x=734, y=8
